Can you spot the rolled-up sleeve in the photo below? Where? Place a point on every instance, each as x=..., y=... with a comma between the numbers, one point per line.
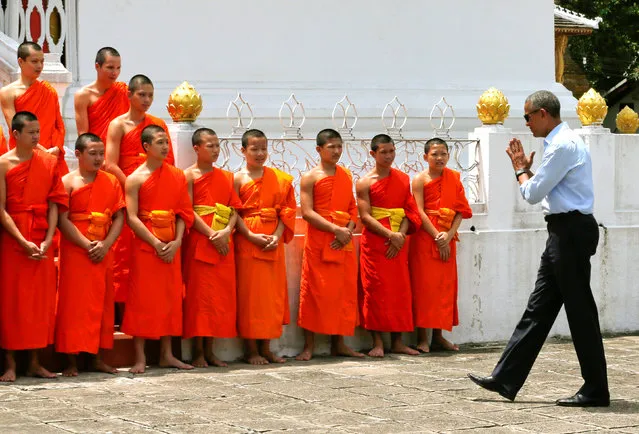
x=555, y=164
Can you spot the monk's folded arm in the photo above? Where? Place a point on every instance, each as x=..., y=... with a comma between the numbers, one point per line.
x=403, y=227
x=308, y=212
x=112, y=157
x=52, y=220
x=180, y=226
x=455, y=225
x=117, y=222
x=364, y=207
x=418, y=194
x=80, y=103
x=242, y=229
x=71, y=232
x=132, y=188
x=280, y=229
x=232, y=221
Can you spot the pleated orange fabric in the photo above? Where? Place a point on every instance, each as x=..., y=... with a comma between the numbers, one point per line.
x=385, y=298
x=113, y=103
x=3, y=143
x=85, y=314
x=131, y=157
x=210, y=305
x=41, y=99
x=154, y=303
x=262, y=292
x=27, y=286
x=434, y=281
x=328, y=287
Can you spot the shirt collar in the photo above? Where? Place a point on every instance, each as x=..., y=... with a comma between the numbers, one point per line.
x=554, y=132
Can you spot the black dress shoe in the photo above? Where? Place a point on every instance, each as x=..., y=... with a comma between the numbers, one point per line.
x=489, y=383
x=579, y=400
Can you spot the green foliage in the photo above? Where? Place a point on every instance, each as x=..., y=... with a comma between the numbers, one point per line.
x=612, y=51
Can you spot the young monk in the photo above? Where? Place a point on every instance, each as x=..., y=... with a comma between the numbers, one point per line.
x=98, y=103
x=29, y=94
x=89, y=228
x=442, y=205
x=209, y=258
x=268, y=222
x=328, y=289
x=31, y=195
x=388, y=212
x=124, y=154
x=158, y=211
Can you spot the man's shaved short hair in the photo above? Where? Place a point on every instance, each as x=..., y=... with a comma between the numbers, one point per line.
x=83, y=141
x=251, y=133
x=24, y=49
x=20, y=119
x=137, y=81
x=149, y=132
x=197, y=137
x=103, y=52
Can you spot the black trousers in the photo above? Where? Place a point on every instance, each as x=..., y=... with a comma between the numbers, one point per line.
x=563, y=279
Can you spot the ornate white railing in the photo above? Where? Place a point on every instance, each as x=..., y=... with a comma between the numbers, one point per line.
x=296, y=155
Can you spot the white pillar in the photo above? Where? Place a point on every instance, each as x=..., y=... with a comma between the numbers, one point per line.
x=181, y=133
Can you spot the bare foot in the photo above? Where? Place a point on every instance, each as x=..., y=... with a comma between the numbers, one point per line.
x=138, y=368
x=422, y=347
x=71, y=371
x=345, y=351
x=200, y=362
x=172, y=362
x=213, y=360
x=403, y=349
x=376, y=352
x=9, y=376
x=441, y=344
x=100, y=366
x=272, y=358
x=39, y=371
x=305, y=355
x=255, y=359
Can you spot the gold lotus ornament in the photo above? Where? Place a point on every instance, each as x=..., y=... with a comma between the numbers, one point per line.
x=627, y=121
x=185, y=104
x=591, y=108
x=492, y=107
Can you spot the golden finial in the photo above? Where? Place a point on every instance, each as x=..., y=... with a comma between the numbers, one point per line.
x=591, y=108
x=627, y=121
x=185, y=104
x=492, y=107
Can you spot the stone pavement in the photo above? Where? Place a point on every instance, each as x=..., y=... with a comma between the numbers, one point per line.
x=399, y=394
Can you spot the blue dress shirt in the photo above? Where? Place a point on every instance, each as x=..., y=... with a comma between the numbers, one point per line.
x=563, y=181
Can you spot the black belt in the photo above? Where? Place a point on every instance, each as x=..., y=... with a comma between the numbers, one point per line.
x=564, y=215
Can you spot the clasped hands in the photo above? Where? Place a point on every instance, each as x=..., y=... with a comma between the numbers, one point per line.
x=265, y=242
x=443, y=244
x=166, y=251
x=37, y=252
x=518, y=158
x=343, y=236
x=220, y=240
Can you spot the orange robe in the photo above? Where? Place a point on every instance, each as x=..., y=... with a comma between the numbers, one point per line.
x=210, y=302
x=262, y=292
x=3, y=142
x=385, y=299
x=131, y=157
x=154, y=303
x=113, y=103
x=328, y=288
x=434, y=282
x=85, y=315
x=41, y=99
x=27, y=286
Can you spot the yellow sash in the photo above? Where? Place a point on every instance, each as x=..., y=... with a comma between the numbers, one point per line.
x=222, y=213
x=162, y=223
x=395, y=215
x=99, y=223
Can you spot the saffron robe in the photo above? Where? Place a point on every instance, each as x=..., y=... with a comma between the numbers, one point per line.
x=434, y=281
x=131, y=157
x=113, y=103
x=385, y=298
x=262, y=292
x=3, y=142
x=27, y=286
x=210, y=305
x=41, y=99
x=328, y=287
x=85, y=314
x=154, y=303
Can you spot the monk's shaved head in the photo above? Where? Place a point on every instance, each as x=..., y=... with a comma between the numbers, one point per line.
x=20, y=119
x=199, y=134
x=83, y=141
x=149, y=132
x=251, y=133
x=24, y=49
x=138, y=81
x=103, y=52
x=380, y=139
x=326, y=135
x=434, y=141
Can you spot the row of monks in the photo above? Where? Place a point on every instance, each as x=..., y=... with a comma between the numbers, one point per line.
x=200, y=253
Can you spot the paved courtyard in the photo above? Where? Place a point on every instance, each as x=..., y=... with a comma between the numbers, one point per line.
x=399, y=394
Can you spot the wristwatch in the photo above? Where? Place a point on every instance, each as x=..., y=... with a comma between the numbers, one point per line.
x=520, y=172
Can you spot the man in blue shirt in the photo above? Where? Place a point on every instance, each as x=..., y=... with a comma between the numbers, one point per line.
x=563, y=185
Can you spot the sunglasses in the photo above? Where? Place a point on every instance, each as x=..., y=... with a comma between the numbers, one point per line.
x=527, y=115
